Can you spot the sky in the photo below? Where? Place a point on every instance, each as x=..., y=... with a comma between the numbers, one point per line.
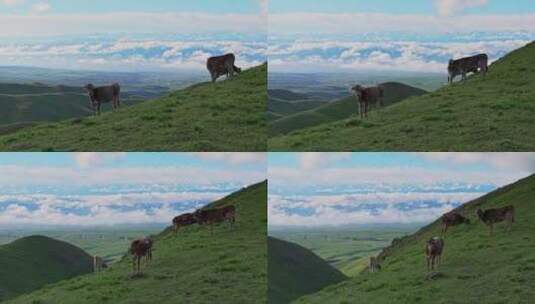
x=131, y=35
x=332, y=189
x=412, y=35
x=93, y=189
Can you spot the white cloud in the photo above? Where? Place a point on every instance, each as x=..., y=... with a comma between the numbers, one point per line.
x=234, y=158
x=12, y=2
x=41, y=7
x=314, y=160
x=92, y=159
x=451, y=7
x=512, y=161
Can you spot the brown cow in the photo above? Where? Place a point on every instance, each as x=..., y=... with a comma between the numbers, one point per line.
x=367, y=96
x=374, y=264
x=185, y=219
x=463, y=66
x=99, y=95
x=433, y=252
x=216, y=215
x=222, y=65
x=452, y=219
x=141, y=248
x=491, y=216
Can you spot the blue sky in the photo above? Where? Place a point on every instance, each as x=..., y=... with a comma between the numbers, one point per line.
x=117, y=188
x=315, y=189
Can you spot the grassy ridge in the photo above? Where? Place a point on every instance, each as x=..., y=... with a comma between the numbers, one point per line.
x=32, y=262
x=295, y=271
x=494, y=113
x=191, y=266
x=475, y=268
x=338, y=110
x=226, y=116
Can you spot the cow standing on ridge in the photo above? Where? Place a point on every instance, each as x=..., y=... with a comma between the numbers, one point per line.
x=463, y=66
x=99, y=95
x=492, y=216
x=141, y=248
x=433, y=252
x=185, y=219
x=367, y=96
x=216, y=215
x=222, y=65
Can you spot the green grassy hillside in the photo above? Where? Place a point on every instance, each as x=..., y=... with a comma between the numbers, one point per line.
x=295, y=271
x=284, y=108
x=338, y=110
x=226, y=116
x=476, y=268
x=492, y=113
x=32, y=262
x=192, y=266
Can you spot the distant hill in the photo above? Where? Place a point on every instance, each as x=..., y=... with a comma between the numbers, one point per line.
x=226, y=116
x=476, y=268
x=192, y=266
x=491, y=113
x=294, y=271
x=286, y=95
x=30, y=263
x=338, y=110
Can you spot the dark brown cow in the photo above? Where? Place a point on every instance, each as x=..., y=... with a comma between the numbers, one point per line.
x=141, y=248
x=452, y=219
x=463, y=66
x=367, y=96
x=99, y=95
x=222, y=65
x=433, y=252
x=491, y=216
x=185, y=219
x=216, y=215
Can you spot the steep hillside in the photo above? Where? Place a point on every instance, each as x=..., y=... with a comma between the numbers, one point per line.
x=338, y=110
x=476, y=268
x=192, y=266
x=492, y=113
x=226, y=116
x=294, y=271
x=32, y=262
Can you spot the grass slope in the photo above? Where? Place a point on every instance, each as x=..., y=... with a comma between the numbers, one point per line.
x=494, y=113
x=294, y=271
x=32, y=262
x=226, y=116
x=475, y=268
x=338, y=110
x=192, y=266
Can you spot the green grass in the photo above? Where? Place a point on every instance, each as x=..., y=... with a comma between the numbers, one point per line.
x=32, y=262
x=226, y=116
x=192, y=266
x=337, y=110
x=295, y=271
x=476, y=268
x=492, y=113
x=284, y=108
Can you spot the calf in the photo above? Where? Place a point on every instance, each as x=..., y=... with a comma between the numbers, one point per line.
x=98, y=264
x=491, y=216
x=99, y=95
x=367, y=96
x=222, y=65
x=452, y=219
x=433, y=252
x=216, y=215
x=141, y=248
x=185, y=219
x=467, y=65
x=374, y=264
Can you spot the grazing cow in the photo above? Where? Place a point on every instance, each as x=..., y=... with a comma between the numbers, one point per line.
x=374, y=264
x=98, y=264
x=185, y=219
x=141, y=248
x=452, y=219
x=463, y=66
x=222, y=65
x=100, y=95
x=367, y=96
x=433, y=252
x=491, y=216
x=216, y=215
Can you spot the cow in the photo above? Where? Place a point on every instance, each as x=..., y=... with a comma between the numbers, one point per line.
x=367, y=96
x=185, y=219
x=433, y=252
x=463, y=66
x=100, y=95
x=216, y=215
x=492, y=216
x=222, y=65
x=374, y=265
x=98, y=264
x=140, y=248
x=452, y=219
